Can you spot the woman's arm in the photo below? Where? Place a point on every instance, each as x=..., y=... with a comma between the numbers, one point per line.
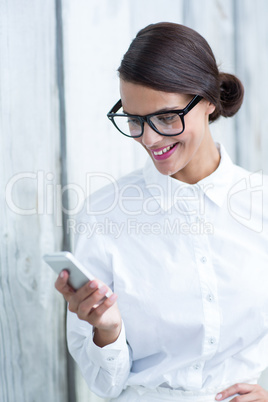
x=102, y=354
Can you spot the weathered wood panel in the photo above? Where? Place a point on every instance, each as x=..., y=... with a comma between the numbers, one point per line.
x=32, y=348
x=252, y=65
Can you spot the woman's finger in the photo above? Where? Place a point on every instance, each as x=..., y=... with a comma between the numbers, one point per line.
x=97, y=313
x=82, y=294
x=62, y=285
x=85, y=307
x=239, y=388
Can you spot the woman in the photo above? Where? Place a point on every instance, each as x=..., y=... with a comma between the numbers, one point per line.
x=181, y=242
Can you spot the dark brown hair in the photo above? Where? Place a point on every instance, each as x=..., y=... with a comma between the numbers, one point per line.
x=173, y=58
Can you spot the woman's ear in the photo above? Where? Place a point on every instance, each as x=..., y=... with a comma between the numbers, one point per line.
x=210, y=108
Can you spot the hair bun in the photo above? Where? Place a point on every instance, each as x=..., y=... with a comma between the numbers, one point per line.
x=231, y=95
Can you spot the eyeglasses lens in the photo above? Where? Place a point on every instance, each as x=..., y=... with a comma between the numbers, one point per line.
x=168, y=124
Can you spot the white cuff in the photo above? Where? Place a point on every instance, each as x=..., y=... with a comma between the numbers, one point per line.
x=108, y=356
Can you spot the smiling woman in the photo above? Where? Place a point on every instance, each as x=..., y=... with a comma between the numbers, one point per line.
x=187, y=319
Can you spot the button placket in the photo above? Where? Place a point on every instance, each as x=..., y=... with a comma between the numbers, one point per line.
x=208, y=292
x=208, y=288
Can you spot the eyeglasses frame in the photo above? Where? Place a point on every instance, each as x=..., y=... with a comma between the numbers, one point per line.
x=146, y=118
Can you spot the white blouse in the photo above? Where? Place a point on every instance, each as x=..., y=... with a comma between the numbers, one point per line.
x=190, y=266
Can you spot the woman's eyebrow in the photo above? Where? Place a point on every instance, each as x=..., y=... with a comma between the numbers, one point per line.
x=165, y=109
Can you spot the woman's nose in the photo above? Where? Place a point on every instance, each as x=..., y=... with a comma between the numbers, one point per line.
x=150, y=137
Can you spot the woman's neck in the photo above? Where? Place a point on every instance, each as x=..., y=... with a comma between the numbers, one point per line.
x=205, y=161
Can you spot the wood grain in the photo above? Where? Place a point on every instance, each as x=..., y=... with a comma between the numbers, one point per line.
x=32, y=323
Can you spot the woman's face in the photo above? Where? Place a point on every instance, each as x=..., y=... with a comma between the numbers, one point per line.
x=189, y=146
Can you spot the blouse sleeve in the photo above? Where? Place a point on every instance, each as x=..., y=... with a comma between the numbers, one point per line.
x=106, y=369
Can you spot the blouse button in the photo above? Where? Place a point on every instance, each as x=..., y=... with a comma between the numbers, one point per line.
x=210, y=297
x=212, y=340
x=197, y=366
x=203, y=260
x=110, y=358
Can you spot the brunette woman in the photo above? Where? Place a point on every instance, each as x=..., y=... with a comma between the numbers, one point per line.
x=185, y=250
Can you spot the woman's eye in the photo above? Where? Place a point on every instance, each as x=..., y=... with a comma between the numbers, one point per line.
x=133, y=122
x=167, y=118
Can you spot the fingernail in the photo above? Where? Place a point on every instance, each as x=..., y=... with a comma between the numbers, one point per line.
x=93, y=285
x=218, y=396
x=62, y=274
x=103, y=290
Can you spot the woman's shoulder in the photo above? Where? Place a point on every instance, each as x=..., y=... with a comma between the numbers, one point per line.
x=107, y=198
x=249, y=192
x=251, y=179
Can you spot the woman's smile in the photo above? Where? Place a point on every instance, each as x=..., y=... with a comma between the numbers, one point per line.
x=164, y=152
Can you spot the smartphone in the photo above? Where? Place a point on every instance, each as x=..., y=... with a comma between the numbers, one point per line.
x=78, y=274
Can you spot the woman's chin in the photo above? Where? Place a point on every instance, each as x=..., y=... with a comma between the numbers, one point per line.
x=166, y=169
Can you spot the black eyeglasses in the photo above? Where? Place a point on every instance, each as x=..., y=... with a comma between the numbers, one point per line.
x=168, y=123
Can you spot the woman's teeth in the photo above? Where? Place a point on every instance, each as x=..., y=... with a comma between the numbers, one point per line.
x=163, y=151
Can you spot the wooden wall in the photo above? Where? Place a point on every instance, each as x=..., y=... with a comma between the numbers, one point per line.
x=54, y=131
x=32, y=347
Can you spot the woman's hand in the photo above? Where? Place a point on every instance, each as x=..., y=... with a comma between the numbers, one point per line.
x=91, y=305
x=247, y=393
